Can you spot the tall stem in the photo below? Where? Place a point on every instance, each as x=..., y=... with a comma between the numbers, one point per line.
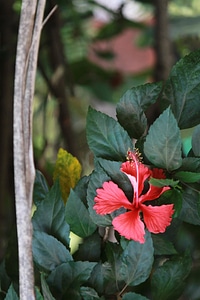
x=24, y=171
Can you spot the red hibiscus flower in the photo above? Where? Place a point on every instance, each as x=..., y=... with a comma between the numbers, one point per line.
x=131, y=224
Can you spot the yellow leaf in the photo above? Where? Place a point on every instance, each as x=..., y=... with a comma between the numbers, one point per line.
x=68, y=170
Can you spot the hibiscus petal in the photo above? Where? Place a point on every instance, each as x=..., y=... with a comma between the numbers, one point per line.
x=110, y=198
x=157, y=218
x=143, y=173
x=129, y=168
x=153, y=193
x=130, y=226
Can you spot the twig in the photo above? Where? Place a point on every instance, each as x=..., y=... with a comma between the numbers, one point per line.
x=49, y=15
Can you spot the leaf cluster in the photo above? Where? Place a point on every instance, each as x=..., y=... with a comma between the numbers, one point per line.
x=106, y=265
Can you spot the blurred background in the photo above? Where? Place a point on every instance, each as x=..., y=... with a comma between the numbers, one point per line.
x=91, y=52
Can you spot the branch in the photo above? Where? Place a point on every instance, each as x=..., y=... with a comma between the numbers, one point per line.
x=24, y=171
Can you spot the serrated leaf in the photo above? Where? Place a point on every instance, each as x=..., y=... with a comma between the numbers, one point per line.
x=132, y=105
x=100, y=276
x=130, y=264
x=77, y=216
x=132, y=118
x=81, y=189
x=133, y=296
x=68, y=170
x=196, y=141
x=190, y=211
x=163, y=182
x=90, y=249
x=50, y=216
x=88, y=293
x=137, y=260
x=168, y=280
x=106, y=137
x=182, y=90
x=48, y=252
x=45, y=289
x=11, y=294
x=163, y=142
x=113, y=253
x=187, y=177
x=191, y=164
x=162, y=246
x=70, y=275
x=96, y=180
x=41, y=188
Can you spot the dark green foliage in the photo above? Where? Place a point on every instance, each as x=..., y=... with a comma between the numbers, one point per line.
x=106, y=138
x=165, y=280
x=40, y=188
x=196, y=141
x=182, y=89
x=163, y=142
x=78, y=217
x=132, y=106
x=11, y=294
x=105, y=264
x=49, y=216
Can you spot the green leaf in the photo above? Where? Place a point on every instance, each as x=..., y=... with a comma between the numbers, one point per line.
x=131, y=263
x=81, y=189
x=45, y=289
x=133, y=296
x=78, y=217
x=168, y=279
x=100, y=276
x=162, y=246
x=38, y=295
x=96, y=180
x=113, y=253
x=70, y=275
x=187, y=177
x=196, y=141
x=90, y=249
x=88, y=293
x=11, y=294
x=190, y=211
x=131, y=117
x=137, y=260
x=182, y=90
x=50, y=216
x=48, y=252
x=130, y=109
x=163, y=182
x=191, y=164
x=41, y=188
x=163, y=142
x=105, y=136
